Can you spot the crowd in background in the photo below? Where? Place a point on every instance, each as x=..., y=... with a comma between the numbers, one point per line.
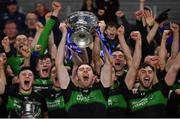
x=136, y=76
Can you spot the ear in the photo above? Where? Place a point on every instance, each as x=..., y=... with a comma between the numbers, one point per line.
x=37, y=68
x=76, y=78
x=94, y=77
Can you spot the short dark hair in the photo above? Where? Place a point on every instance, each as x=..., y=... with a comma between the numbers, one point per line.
x=84, y=63
x=25, y=68
x=10, y=22
x=117, y=49
x=111, y=24
x=144, y=65
x=44, y=57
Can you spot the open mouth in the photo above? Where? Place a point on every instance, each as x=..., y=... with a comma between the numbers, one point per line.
x=85, y=78
x=45, y=71
x=27, y=83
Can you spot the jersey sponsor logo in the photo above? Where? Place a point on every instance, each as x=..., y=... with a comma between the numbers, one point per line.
x=83, y=98
x=55, y=104
x=155, y=98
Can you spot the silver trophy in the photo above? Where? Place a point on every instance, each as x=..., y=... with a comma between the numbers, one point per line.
x=28, y=109
x=83, y=24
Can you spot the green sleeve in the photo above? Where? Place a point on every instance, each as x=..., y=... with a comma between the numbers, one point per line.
x=15, y=63
x=44, y=37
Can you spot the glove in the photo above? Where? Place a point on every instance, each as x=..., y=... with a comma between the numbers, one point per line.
x=163, y=16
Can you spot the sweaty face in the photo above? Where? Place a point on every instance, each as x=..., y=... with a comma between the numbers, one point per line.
x=54, y=78
x=44, y=66
x=118, y=60
x=26, y=79
x=111, y=32
x=146, y=76
x=85, y=76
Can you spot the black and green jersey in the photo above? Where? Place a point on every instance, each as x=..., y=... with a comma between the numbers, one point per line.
x=42, y=84
x=14, y=101
x=117, y=104
x=149, y=103
x=55, y=103
x=90, y=102
x=174, y=102
x=17, y=61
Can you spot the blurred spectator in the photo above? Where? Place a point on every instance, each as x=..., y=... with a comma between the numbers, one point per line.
x=2, y=6
x=31, y=20
x=10, y=30
x=41, y=11
x=107, y=9
x=88, y=6
x=13, y=14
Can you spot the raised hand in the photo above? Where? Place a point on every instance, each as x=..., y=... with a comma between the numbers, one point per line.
x=139, y=14
x=174, y=27
x=25, y=51
x=102, y=26
x=153, y=60
x=56, y=5
x=121, y=30
x=166, y=34
x=37, y=48
x=39, y=27
x=135, y=35
x=6, y=44
x=63, y=27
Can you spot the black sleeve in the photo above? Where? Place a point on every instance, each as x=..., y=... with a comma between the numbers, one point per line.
x=125, y=91
x=105, y=91
x=43, y=105
x=161, y=74
x=11, y=90
x=175, y=97
x=67, y=92
x=163, y=87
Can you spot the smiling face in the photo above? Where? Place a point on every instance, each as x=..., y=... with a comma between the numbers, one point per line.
x=26, y=79
x=85, y=76
x=44, y=66
x=146, y=77
x=118, y=60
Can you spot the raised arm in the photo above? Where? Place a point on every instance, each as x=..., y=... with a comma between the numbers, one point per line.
x=2, y=76
x=131, y=75
x=162, y=50
x=152, y=32
x=98, y=62
x=141, y=7
x=170, y=77
x=44, y=37
x=124, y=45
x=175, y=45
x=62, y=72
x=106, y=71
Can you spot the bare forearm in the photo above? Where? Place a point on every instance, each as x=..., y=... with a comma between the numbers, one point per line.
x=61, y=51
x=126, y=50
x=137, y=54
x=175, y=45
x=152, y=32
x=172, y=72
x=162, y=53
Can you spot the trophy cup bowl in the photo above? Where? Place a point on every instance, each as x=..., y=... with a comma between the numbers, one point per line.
x=83, y=25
